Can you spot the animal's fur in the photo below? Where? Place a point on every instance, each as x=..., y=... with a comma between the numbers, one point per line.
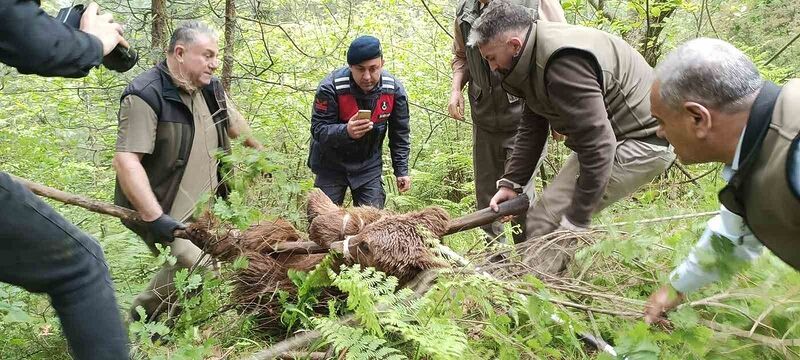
x=228, y=245
x=329, y=223
x=397, y=244
x=255, y=287
x=394, y=244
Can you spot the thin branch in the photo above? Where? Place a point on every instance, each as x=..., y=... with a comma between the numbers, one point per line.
x=782, y=49
x=436, y=20
x=778, y=344
x=437, y=112
x=597, y=6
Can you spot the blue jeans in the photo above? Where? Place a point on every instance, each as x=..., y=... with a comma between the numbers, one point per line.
x=369, y=194
x=43, y=253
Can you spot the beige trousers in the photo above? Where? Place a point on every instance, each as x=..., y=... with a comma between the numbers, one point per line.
x=635, y=164
x=159, y=295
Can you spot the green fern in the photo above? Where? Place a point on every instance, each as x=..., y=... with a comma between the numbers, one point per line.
x=300, y=307
x=365, y=289
x=356, y=343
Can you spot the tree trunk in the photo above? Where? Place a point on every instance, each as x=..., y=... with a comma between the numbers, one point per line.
x=158, y=9
x=652, y=42
x=230, y=35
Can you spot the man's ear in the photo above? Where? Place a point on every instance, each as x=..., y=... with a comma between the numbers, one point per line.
x=179, y=52
x=701, y=118
x=516, y=44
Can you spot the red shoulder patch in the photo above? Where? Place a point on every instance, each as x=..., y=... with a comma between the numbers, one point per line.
x=321, y=105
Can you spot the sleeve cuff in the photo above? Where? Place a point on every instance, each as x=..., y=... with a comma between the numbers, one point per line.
x=688, y=282
x=97, y=46
x=509, y=184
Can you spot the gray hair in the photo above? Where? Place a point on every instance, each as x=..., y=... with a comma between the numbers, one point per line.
x=187, y=34
x=711, y=72
x=499, y=17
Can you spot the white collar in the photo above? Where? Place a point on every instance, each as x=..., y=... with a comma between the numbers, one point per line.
x=730, y=169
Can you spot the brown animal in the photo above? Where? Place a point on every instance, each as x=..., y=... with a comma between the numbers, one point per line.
x=329, y=223
x=255, y=287
x=228, y=244
x=401, y=245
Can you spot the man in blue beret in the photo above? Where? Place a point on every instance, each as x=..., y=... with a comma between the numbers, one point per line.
x=354, y=108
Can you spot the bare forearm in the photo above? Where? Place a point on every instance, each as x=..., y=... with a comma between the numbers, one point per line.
x=136, y=186
x=460, y=78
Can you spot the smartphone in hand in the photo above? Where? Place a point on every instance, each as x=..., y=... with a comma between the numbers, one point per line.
x=364, y=114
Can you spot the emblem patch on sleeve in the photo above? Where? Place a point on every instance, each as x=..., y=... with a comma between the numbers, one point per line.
x=321, y=105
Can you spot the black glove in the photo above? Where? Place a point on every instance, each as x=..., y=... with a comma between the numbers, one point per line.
x=163, y=227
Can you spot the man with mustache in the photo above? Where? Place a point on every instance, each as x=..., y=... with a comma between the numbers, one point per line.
x=173, y=119
x=590, y=86
x=346, y=147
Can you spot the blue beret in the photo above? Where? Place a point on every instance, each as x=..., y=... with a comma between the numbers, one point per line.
x=363, y=48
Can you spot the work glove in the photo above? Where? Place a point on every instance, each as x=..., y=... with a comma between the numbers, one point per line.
x=163, y=227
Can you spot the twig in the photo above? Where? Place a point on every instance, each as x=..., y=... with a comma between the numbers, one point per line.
x=436, y=20
x=661, y=219
x=782, y=49
x=685, y=172
x=574, y=305
x=292, y=355
x=761, y=317
x=438, y=112
x=772, y=342
x=288, y=345
x=694, y=179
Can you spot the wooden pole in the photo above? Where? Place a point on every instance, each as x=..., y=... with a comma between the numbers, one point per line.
x=515, y=206
x=86, y=203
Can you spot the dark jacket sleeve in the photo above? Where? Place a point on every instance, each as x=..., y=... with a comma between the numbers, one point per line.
x=399, y=132
x=35, y=43
x=574, y=90
x=326, y=128
x=528, y=147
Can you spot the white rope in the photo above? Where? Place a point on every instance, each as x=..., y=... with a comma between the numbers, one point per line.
x=346, y=247
x=345, y=220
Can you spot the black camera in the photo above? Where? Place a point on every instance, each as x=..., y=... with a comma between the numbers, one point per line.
x=121, y=59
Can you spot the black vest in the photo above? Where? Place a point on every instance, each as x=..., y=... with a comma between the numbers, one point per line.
x=174, y=133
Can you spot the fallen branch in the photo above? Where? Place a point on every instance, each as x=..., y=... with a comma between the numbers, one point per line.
x=662, y=219
x=294, y=355
x=515, y=206
x=772, y=342
x=286, y=346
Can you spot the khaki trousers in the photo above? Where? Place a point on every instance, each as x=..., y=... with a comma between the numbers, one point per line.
x=635, y=164
x=159, y=295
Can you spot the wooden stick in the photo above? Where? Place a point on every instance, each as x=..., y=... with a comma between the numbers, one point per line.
x=93, y=205
x=77, y=200
x=515, y=206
